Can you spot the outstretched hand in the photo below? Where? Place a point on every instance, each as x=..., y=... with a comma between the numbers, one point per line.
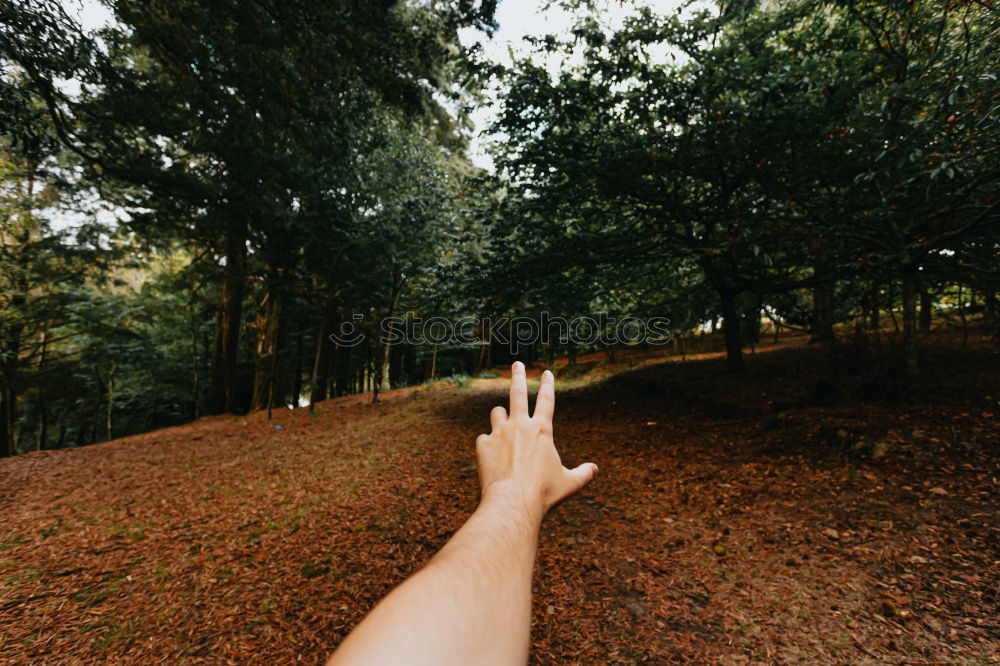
x=519, y=458
x=471, y=604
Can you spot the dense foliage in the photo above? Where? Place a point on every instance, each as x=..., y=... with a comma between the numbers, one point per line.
x=245, y=177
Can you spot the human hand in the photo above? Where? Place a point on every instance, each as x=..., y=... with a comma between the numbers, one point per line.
x=518, y=459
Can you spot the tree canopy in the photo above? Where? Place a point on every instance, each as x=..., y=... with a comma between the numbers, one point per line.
x=245, y=178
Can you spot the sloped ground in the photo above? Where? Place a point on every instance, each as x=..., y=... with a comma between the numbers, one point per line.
x=763, y=519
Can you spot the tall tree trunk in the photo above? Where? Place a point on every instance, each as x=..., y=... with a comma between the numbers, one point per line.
x=872, y=312
x=751, y=320
x=6, y=422
x=992, y=310
x=11, y=334
x=43, y=401
x=8, y=407
x=822, y=315
x=411, y=365
x=299, y=366
x=195, y=371
x=111, y=396
x=731, y=324
x=961, y=316
x=225, y=369
x=926, y=309
x=344, y=382
x=382, y=352
x=731, y=328
x=265, y=369
x=321, y=361
x=911, y=363
x=10, y=350
x=485, y=342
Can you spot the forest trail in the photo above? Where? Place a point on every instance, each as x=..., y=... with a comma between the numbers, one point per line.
x=735, y=520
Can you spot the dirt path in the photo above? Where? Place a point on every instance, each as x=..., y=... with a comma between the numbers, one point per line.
x=730, y=524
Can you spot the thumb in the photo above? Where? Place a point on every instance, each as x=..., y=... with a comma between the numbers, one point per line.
x=578, y=477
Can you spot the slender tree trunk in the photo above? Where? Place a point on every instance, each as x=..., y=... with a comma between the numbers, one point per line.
x=6, y=422
x=926, y=309
x=382, y=353
x=299, y=367
x=344, y=383
x=271, y=381
x=909, y=292
x=410, y=365
x=10, y=339
x=95, y=415
x=480, y=357
x=731, y=328
x=268, y=345
x=752, y=328
x=822, y=315
x=11, y=333
x=43, y=401
x=321, y=362
x=874, y=321
x=992, y=311
x=892, y=309
x=43, y=425
x=961, y=316
x=111, y=395
x=485, y=344
x=225, y=369
x=195, y=371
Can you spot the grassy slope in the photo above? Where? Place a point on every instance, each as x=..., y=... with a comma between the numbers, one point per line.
x=230, y=540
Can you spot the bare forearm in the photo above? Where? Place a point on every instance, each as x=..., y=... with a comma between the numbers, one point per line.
x=471, y=604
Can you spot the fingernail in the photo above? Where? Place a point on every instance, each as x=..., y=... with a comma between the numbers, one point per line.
x=596, y=468
x=518, y=365
x=547, y=373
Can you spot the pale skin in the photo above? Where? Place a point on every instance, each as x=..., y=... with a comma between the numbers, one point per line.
x=471, y=604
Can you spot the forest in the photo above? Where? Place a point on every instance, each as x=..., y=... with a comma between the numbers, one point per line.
x=200, y=200
x=242, y=178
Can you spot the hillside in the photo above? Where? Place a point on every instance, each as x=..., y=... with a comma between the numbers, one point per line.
x=769, y=518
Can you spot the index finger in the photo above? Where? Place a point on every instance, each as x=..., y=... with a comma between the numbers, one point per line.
x=518, y=390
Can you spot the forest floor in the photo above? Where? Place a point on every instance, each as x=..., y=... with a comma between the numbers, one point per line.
x=766, y=518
